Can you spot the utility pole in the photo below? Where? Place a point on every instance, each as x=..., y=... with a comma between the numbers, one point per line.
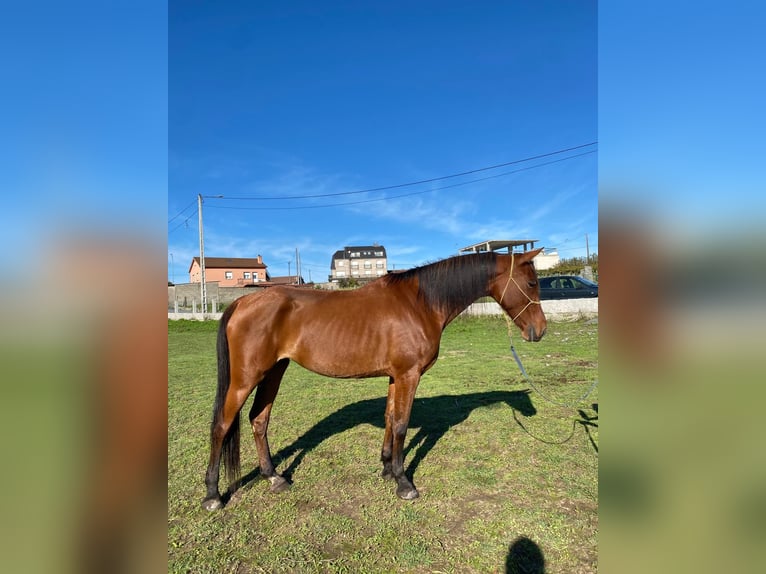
x=288, y=269
x=297, y=267
x=203, y=287
x=173, y=268
x=587, y=250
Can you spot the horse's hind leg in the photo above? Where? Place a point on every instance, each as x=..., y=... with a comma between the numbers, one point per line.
x=226, y=423
x=265, y=394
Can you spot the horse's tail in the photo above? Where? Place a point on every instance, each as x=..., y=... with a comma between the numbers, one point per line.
x=230, y=447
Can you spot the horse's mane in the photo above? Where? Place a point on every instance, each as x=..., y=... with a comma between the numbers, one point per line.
x=453, y=283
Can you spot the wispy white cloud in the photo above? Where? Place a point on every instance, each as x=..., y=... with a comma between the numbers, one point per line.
x=550, y=205
x=428, y=213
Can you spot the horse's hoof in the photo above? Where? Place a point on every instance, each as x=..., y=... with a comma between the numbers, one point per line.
x=407, y=492
x=211, y=504
x=278, y=484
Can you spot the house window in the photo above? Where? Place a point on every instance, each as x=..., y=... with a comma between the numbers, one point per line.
x=247, y=275
x=354, y=265
x=340, y=274
x=367, y=265
x=341, y=263
x=229, y=275
x=378, y=254
x=379, y=265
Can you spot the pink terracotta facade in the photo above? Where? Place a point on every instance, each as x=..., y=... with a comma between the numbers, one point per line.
x=229, y=271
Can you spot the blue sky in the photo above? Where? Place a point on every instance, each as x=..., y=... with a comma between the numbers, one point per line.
x=84, y=120
x=681, y=111
x=269, y=100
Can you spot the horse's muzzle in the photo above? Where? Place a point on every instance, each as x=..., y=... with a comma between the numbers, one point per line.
x=533, y=335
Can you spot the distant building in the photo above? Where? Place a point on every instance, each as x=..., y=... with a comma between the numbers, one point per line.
x=287, y=280
x=230, y=271
x=544, y=260
x=363, y=263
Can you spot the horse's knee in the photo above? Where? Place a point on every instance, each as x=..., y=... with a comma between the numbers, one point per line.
x=259, y=426
x=400, y=430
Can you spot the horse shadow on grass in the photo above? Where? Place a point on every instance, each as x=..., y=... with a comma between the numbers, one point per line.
x=431, y=418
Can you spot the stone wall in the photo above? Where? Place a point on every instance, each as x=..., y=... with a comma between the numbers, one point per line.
x=185, y=293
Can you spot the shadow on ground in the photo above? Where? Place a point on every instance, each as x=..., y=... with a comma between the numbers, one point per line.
x=431, y=416
x=524, y=557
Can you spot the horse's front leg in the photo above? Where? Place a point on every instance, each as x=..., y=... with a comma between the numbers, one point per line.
x=259, y=420
x=404, y=394
x=387, y=450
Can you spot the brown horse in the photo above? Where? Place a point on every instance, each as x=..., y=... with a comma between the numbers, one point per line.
x=391, y=327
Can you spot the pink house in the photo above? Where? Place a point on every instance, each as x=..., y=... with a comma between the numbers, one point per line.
x=230, y=271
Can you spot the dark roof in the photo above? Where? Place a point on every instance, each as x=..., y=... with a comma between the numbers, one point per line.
x=231, y=263
x=366, y=251
x=286, y=280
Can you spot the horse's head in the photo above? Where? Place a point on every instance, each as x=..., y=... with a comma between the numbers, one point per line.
x=516, y=289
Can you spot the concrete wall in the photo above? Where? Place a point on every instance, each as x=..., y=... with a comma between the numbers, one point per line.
x=559, y=310
x=556, y=310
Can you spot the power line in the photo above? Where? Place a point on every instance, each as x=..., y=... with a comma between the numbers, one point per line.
x=288, y=208
x=540, y=156
x=184, y=221
x=181, y=212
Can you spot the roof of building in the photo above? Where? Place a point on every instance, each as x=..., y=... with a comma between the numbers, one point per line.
x=495, y=244
x=367, y=251
x=231, y=263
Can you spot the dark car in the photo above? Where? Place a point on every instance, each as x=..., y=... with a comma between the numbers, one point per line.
x=567, y=287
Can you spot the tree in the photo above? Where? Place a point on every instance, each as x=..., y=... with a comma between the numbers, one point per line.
x=571, y=266
x=348, y=283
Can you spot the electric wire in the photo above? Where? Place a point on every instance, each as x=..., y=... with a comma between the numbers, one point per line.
x=184, y=221
x=181, y=212
x=430, y=180
x=325, y=205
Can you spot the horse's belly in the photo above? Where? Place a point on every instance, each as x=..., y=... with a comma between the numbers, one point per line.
x=339, y=363
x=358, y=347
x=335, y=353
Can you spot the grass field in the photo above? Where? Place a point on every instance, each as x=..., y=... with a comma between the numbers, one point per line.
x=507, y=480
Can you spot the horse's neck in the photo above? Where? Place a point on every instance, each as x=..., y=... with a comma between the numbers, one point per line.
x=451, y=312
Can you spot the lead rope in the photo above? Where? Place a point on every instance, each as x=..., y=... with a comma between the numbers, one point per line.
x=509, y=323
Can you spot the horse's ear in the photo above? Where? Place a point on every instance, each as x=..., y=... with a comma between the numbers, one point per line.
x=529, y=255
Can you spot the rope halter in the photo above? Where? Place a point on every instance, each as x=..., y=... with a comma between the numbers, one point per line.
x=530, y=301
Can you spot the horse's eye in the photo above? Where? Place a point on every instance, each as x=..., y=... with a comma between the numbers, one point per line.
x=531, y=283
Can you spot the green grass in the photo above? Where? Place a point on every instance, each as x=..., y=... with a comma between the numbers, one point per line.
x=493, y=463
